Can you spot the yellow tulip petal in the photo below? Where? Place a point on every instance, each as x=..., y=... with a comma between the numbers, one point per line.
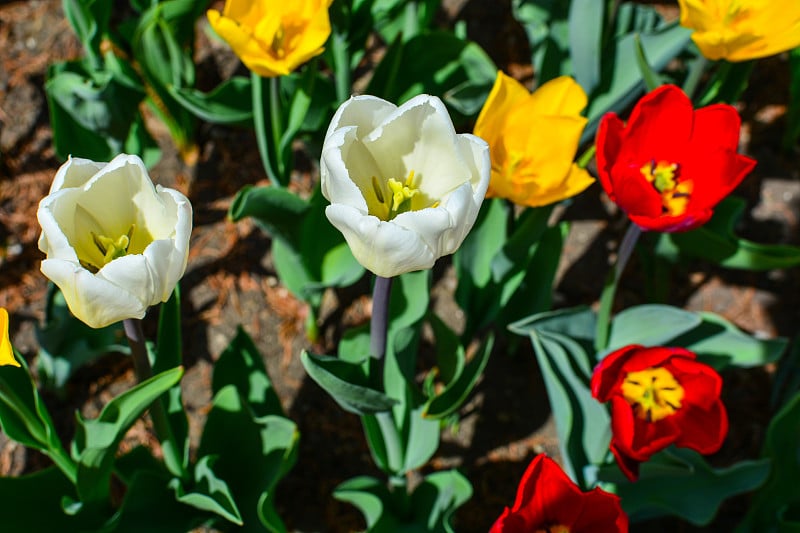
x=739, y=30
x=6, y=352
x=559, y=96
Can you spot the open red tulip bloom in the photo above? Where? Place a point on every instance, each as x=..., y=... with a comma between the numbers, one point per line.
x=670, y=165
x=548, y=501
x=659, y=396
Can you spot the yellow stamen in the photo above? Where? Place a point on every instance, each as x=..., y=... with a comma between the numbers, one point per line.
x=665, y=178
x=110, y=248
x=395, y=200
x=654, y=393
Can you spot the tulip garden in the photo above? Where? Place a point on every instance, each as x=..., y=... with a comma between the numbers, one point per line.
x=400, y=266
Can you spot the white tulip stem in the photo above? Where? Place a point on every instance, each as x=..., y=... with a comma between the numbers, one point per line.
x=379, y=323
x=158, y=414
x=379, y=326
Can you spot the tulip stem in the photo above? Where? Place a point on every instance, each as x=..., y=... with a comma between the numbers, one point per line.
x=379, y=323
x=144, y=371
x=610, y=287
x=260, y=126
x=586, y=157
x=276, y=121
x=341, y=63
x=696, y=70
x=379, y=327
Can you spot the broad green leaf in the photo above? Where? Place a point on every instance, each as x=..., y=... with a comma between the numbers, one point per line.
x=275, y=209
x=563, y=344
x=457, y=391
x=95, y=444
x=717, y=242
x=650, y=325
x=32, y=502
x=354, y=345
x=347, y=383
x=242, y=366
x=679, y=482
x=371, y=497
x=652, y=81
x=585, y=41
x=229, y=103
x=269, y=443
x=780, y=490
x=720, y=343
x=149, y=505
x=209, y=492
x=438, y=497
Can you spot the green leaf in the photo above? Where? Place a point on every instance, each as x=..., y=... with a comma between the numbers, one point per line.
x=457, y=390
x=33, y=503
x=209, y=493
x=372, y=498
x=720, y=343
x=585, y=41
x=437, y=498
x=24, y=417
x=275, y=209
x=66, y=343
x=651, y=325
x=780, y=490
x=347, y=383
x=652, y=81
x=242, y=366
x=149, y=505
x=717, y=242
x=229, y=103
x=169, y=354
x=269, y=443
x=95, y=443
x=563, y=343
x=792, y=132
x=679, y=482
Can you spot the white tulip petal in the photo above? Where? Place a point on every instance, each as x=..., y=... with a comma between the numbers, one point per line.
x=384, y=248
x=115, y=243
x=74, y=173
x=92, y=299
x=438, y=180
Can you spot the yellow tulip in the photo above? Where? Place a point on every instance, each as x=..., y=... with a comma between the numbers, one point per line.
x=6, y=353
x=533, y=139
x=738, y=30
x=273, y=37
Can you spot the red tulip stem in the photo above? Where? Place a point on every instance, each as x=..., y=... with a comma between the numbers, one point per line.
x=610, y=287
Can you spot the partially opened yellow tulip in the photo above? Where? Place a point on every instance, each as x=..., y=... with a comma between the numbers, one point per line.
x=533, y=138
x=6, y=353
x=273, y=37
x=738, y=30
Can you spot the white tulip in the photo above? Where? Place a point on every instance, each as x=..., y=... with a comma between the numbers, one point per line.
x=404, y=187
x=115, y=243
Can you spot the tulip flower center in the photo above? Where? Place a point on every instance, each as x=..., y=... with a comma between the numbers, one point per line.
x=665, y=177
x=654, y=393
x=109, y=248
x=395, y=197
x=277, y=42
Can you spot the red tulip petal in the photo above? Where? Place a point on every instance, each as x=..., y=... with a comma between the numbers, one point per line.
x=715, y=173
x=601, y=513
x=659, y=127
x=667, y=224
x=628, y=465
x=634, y=194
x=546, y=494
x=704, y=430
x=608, y=373
x=610, y=136
x=701, y=383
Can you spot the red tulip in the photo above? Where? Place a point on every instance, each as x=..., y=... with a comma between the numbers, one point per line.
x=659, y=396
x=670, y=165
x=548, y=501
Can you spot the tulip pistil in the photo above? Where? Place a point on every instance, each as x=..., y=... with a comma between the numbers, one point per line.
x=558, y=528
x=665, y=178
x=277, y=42
x=398, y=197
x=110, y=248
x=654, y=393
